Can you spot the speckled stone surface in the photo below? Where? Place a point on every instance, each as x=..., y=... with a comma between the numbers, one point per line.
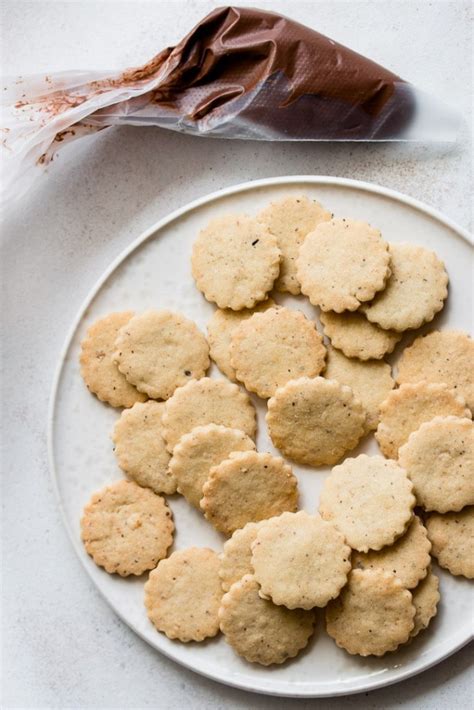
x=63, y=646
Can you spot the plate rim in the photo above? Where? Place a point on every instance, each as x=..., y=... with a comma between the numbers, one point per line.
x=256, y=687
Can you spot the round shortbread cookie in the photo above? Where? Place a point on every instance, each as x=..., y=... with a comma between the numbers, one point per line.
x=373, y=615
x=315, y=421
x=356, y=336
x=408, y=558
x=235, y=261
x=425, y=600
x=248, y=487
x=236, y=557
x=300, y=561
x=439, y=460
x=141, y=449
x=197, y=452
x=342, y=264
x=207, y=401
x=219, y=333
x=290, y=219
x=126, y=529
x=452, y=538
x=370, y=500
x=259, y=630
x=370, y=381
x=98, y=369
x=408, y=407
x=183, y=595
x=442, y=356
x=271, y=348
x=158, y=351
x=415, y=291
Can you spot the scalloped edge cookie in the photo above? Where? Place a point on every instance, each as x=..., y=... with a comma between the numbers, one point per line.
x=441, y=356
x=370, y=499
x=158, y=351
x=342, y=264
x=373, y=615
x=356, y=336
x=259, y=630
x=126, y=529
x=183, y=595
x=140, y=448
x=414, y=293
x=235, y=261
x=439, y=460
x=300, y=560
x=452, y=539
x=296, y=425
x=270, y=348
x=248, y=487
x=407, y=408
x=408, y=558
x=98, y=368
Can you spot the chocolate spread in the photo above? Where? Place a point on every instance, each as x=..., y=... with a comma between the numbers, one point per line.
x=276, y=78
x=240, y=73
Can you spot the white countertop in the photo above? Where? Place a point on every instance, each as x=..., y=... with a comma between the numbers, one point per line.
x=63, y=646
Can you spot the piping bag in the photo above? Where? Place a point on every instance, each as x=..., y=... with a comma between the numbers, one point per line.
x=240, y=73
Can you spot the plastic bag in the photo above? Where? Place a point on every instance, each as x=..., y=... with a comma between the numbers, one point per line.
x=240, y=73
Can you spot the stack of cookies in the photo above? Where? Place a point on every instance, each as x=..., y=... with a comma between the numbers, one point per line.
x=365, y=556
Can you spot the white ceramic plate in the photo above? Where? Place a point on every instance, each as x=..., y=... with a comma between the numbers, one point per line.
x=154, y=272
